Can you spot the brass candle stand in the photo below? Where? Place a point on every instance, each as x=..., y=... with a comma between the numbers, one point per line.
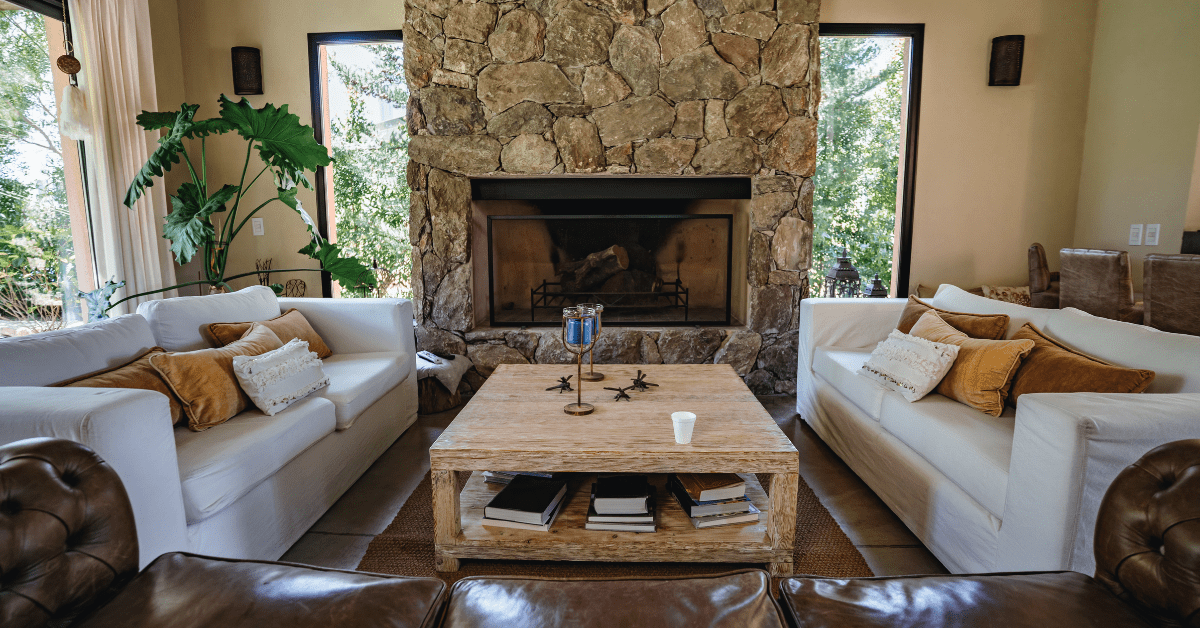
x=578, y=327
x=592, y=375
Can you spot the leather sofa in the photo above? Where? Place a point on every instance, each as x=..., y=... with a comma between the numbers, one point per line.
x=69, y=557
x=1018, y=492
x=1147, y=552
x=250, y=487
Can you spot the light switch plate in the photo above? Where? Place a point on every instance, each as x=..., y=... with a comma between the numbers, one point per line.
x=1135, y=235
x=1152, y=234
x=256, y=225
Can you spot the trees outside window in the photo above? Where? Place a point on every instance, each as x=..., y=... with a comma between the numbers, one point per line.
x=858, y=154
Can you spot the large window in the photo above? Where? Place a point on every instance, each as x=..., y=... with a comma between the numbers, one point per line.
x=866, y=150
x=45, y=256
x=359, y=102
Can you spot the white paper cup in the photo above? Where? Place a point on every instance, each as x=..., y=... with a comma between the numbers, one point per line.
x=683, y=422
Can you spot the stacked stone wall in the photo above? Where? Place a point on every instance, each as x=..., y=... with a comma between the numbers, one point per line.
x=614, y=87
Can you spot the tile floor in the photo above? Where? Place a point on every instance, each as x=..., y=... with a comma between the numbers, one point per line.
x=340, y=538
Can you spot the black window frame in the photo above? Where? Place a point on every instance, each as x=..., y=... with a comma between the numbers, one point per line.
x=49, y=8
x=906, y=212
x=315, y=41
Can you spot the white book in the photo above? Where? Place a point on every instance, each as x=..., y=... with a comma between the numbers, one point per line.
x=724, y=520
x=619, y=527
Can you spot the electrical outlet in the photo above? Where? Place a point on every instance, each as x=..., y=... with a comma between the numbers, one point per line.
x=1152, y=234
x=1135, y=235
x=256, y=225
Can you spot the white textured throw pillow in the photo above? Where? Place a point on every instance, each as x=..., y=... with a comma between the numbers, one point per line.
x=909, y=365
x=279, y=378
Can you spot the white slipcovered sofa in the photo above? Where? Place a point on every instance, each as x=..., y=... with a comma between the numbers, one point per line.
x=250, y=487
x=993, y=494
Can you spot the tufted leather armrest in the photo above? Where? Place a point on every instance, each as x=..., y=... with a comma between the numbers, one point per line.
x=66, y=532
x=1148, y=534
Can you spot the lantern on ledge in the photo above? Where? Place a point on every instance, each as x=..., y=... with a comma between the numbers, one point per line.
x=842, y=281
x=877, y=290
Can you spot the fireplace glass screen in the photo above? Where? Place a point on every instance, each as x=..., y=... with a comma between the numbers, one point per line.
x=669, y=268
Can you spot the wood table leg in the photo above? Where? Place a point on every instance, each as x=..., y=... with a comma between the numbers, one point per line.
x=447, y=523
x=781, y=520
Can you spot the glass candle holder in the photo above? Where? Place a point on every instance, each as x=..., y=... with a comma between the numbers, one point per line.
x=578, y=337
x=597, y=310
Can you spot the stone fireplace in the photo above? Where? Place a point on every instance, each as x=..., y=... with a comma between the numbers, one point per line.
x=614, y=93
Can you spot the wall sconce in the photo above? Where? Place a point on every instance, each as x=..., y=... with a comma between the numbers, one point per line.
x=247, y=71
x=1007, y=54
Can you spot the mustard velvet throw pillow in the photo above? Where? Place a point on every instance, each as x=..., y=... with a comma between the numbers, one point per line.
x=134, y=374
x=1051, y=367
x=986, y=326
x=204, y=380
x=287, y=326
x=984, y=369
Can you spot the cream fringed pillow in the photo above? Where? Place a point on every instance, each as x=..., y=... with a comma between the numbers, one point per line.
x=984, y=370
x=204, y=381
x=910, y=365
x=279, y=378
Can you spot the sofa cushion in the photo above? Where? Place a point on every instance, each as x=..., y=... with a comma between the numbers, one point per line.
x=357, y=380
x=739, y=599
x=970, y=447
x=178, y=323
x=986, y=326
x=291, y=324
x=219, y=465
x=137, y=374
x=953, y=298
x=55, y=356
x=840, y=368
x=1053, y=368
x=189, y=591
x=983, y=371
x=1172, y=357
x=1024, y=600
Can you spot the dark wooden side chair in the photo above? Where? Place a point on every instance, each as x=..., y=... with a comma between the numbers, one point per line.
x=1098, y=282
x=1043, y=284
x=1172, y=293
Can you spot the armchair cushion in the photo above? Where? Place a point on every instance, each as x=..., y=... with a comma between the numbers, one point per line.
x=1024, y=600
x=188, y=591
x=287, y=326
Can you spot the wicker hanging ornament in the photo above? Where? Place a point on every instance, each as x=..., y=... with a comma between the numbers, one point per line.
x=69, y=64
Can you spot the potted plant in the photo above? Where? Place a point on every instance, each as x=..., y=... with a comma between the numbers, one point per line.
x=286, y=148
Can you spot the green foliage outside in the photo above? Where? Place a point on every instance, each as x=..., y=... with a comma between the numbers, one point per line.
x=36, y=251
x=858, y=153
x=369, y=181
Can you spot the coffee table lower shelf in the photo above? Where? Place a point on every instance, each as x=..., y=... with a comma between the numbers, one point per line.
x=675, y=541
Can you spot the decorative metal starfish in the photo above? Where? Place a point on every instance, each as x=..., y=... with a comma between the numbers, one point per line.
x=640, y=383
x=563, y=385
x=621, y=394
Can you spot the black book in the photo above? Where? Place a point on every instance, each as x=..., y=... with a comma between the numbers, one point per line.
x=692, y=508
x=621, y=494
x=527, y=499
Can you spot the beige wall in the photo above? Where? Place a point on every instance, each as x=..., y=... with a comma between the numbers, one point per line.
x=207, y=30
x=997, y=167
x=1192, y=223
x=1143, y=115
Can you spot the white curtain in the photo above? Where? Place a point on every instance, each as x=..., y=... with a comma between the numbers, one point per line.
x=112, y=40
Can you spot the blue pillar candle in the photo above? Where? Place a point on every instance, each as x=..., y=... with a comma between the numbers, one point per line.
x=580, y=329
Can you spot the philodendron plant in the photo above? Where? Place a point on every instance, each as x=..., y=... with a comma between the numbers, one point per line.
x=287, y=149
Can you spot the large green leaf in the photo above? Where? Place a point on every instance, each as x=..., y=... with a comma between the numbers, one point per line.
x=288, y=196
x=188, y=226
x=348, y=271
x=167, y=153
x=283, y=142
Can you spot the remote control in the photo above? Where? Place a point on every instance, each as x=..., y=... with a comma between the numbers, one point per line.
x=429, y=357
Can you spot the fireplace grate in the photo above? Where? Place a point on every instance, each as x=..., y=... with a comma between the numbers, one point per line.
x=673, y=295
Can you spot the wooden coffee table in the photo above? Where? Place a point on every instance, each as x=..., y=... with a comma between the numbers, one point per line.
x=514, y=424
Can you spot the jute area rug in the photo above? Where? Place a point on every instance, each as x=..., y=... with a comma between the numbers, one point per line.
x=405, y=548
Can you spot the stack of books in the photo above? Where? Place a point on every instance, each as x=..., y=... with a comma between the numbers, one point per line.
x=621, y=503
x=504, y=477
x=712, y=499
x=527, y=502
